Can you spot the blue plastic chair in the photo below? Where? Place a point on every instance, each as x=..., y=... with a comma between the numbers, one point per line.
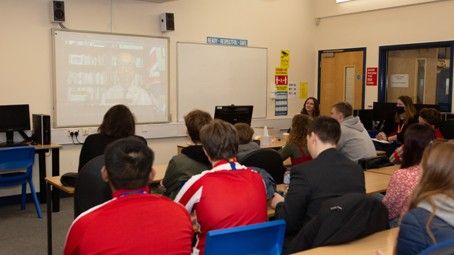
x=441, y=248
x=258, y=239
x=13, y=160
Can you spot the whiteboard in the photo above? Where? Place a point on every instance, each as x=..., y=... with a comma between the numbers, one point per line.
x=94, y=71
x=210, y=75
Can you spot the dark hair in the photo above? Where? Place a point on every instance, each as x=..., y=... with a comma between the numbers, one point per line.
x=416, y=138
x=128, y=162
x=219, y=139
x=410, y=110
x=431, y=116
x=245, y=132
x=326, y=128
x=298, y=132
x=345, y=108
x=194, y=121
x=118, y=122
x=316, y=111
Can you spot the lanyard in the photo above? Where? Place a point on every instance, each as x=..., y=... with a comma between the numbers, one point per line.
x=232, y=163
x=124, y=193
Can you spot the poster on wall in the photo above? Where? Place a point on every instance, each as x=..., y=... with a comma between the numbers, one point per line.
x=399, y=80
x=281, y=103
x=371, y=76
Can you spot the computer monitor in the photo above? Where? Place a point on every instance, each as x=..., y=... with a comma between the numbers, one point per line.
x=234, y=113
x=14, y=118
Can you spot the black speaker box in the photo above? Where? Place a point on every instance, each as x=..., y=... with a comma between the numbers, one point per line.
x=41, y=129
x=167, y=22
x=58, y=11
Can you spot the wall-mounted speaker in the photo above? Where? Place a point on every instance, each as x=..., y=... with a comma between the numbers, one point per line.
x=167, y=22
x=41, y=128
x=57, y=12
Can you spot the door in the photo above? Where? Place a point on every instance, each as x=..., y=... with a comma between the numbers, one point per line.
x=341, y=75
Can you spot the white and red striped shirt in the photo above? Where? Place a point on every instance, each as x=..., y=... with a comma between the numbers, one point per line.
x=228, y=195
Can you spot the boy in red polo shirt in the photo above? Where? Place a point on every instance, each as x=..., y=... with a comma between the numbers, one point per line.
x=229, y=194
x=134, y=221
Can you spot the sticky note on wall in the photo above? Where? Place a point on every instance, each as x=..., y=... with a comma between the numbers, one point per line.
x=303, y=90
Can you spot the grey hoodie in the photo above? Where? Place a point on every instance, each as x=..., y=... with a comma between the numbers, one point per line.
x=444, y=208
x=244, y=149
x=355, y=142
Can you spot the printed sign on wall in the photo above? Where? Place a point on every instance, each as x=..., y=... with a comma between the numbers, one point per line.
x=371, y=76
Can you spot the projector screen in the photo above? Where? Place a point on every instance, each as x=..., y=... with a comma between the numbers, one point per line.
x=94, y=71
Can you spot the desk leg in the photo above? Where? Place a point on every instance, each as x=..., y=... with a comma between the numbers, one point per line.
x=42, y=175
x=49, y=218
x=56, y=172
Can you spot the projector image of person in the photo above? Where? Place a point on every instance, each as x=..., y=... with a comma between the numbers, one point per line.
x=127, y=89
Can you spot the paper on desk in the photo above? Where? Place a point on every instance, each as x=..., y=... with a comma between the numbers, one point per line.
x=381, y=141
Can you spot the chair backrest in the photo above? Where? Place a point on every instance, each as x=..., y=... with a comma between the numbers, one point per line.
x=441, y=248
x=374, y=162
x=90, y=188
x=12, y=158
x=261, y=238
x=267, y=159
x=447, y=129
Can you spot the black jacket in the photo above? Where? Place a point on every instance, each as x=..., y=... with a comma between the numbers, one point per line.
x=342, y=219
x=95, y=145
x=329, y=175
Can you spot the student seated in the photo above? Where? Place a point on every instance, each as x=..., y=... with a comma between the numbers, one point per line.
x=192, y=159
x=246, y=145
x=134, y=221
x=430, y=219
x=311, y=107
x=118, y=122
x=404, y=117
x=229, y=194
x=354, y=142
x=330, y=174
x=296, y=148
x=404, y=180
x=427, y=116
x=431, y=117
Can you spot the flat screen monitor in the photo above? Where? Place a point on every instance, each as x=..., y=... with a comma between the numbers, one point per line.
x=234, y=113
x=14, y=118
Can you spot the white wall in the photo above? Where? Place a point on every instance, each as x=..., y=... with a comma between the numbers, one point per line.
x=25, y=47
x=402, y=25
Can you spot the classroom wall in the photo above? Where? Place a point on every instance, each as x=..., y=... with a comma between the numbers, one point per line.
x=26, y=63
x=401, y=25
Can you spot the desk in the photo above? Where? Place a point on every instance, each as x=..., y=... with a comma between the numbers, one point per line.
x=384, y=240
x=388, y=170
x=53, y=184
x=160, y=172
x=41, y=151
x=376, y=182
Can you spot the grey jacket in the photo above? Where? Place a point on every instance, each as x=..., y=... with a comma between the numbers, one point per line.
x=244, y=149
x=355, y=142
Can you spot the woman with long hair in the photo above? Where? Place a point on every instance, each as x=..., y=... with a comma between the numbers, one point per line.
x=311, y=107
x=296, y=146
x=404, y=180
x=405, y=116
x=118, y=122
x=431, y=216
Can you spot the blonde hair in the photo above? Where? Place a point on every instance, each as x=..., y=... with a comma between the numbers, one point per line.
x=437, y=177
